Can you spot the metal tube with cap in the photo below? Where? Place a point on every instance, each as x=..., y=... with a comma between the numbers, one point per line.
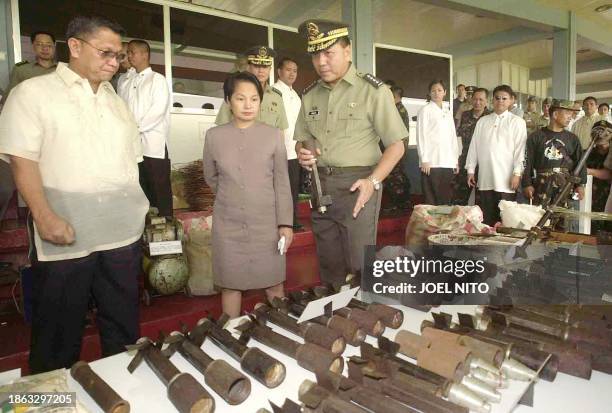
x=233, y=386
x=184, y=391
x=364, y=372
x=391, y=317
x=261, y=366
x=318, y=199
x=310, y=332
x=514, y=349
x=309, y=356
x=352, y=333
x=404, y=371
x=103, y=394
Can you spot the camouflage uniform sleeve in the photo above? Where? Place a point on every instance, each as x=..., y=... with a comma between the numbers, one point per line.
x=224, y=115
x=386, y=119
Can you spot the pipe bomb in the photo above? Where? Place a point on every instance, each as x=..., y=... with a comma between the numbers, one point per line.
x=233, y=386
x=310, y=332
x=264, y=368
x=309, y=356
x=103, y=394
x=184, y=391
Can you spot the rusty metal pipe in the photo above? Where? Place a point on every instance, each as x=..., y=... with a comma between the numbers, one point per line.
x=309, y=356
x=364, y=372
x=103, y=394
x=349, y=329
x=391, y=317
x=320, y=400
x=184, y=391
x=261, y=366
x=233, y=386
x=310, y=332
x=517, y=349
x=364, y=319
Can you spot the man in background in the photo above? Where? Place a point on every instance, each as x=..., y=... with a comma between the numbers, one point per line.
x=43, y=45
x=582, y=127
x=124, y=69
x=515, y=108
x=498, y=149
x=465, y=130
x=604, y=111
x=461, y=96
x=287, y=71
x=533, y=118
x=551, y=155
x=146, y=94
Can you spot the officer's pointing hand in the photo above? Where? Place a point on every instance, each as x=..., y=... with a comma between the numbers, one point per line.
x=307, y=159
x=366, y=189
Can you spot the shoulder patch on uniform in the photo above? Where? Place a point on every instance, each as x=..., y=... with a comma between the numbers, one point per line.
x=373, y=80
x=22, y=63
x=310, y=87
x=276, y=90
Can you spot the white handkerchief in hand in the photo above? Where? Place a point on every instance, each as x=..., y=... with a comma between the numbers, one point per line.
x=281, y=245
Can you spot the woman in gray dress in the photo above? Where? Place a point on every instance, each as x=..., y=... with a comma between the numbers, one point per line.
x=245, y=164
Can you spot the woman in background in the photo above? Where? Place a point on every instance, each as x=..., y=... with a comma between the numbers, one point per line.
x=437, y=146
x=245, y=164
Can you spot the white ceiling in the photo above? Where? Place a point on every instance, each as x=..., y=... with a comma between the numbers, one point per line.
x=410, y=23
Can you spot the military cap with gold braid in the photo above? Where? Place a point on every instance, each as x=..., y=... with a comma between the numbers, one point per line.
x=322, y=34
x=260, y=55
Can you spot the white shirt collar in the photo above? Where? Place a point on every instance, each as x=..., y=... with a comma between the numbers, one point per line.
x=282, y=86
x=145, y=71
x=501, y=115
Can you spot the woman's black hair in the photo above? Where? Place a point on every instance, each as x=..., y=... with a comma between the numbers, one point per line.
x=230, y=84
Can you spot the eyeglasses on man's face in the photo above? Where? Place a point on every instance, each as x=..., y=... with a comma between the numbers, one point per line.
x=106, y=54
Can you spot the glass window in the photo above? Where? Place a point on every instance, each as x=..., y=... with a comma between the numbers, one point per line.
x=204, y=50
x=412, y=71
x=139, y=20
x=292, y=45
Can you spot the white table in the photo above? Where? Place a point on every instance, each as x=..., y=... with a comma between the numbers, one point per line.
x=147, y=394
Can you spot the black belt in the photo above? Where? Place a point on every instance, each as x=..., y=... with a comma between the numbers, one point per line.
x=339, y=170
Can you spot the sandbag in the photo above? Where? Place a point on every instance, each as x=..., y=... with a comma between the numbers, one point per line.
x=198, y=251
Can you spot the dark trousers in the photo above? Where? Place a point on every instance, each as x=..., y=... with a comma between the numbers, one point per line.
x=155, y=182
x=295, y=178
x=488, y=202
x=438, y=186
x=60, y=296
x=340, y=238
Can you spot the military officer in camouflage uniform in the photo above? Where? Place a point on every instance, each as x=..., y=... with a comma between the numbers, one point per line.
x=465, y=130
x=466, y=105
x=347, y=113
x=43, y=45
x=552, y=153
x=601, y=177
x=532, y=116
x=272, y=109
